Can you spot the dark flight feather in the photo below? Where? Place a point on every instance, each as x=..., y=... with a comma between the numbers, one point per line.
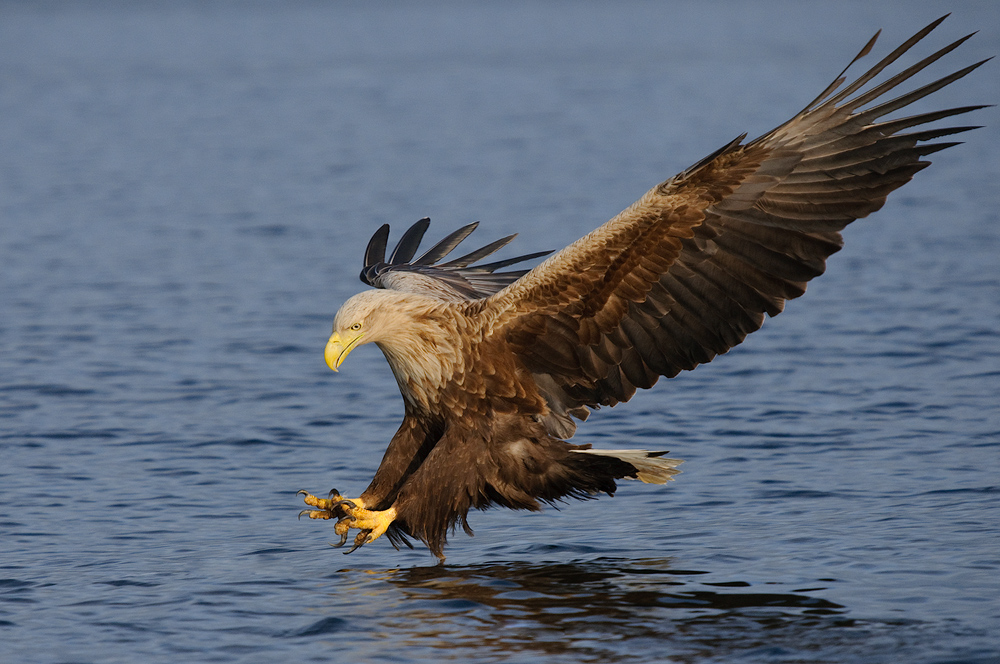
x=464, y=280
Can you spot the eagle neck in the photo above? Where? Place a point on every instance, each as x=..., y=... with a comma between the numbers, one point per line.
x=424, y=351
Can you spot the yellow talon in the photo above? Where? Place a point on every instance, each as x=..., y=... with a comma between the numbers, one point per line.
x=349, y=514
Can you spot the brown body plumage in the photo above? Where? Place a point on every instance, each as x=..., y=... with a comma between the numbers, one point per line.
x=494, y=367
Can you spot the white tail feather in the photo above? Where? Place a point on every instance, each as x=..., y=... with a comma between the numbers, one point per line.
x=650, y=467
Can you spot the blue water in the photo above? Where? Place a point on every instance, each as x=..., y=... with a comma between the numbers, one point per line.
x=185, y=193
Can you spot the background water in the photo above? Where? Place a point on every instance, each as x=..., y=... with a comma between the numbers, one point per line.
x=185, y=193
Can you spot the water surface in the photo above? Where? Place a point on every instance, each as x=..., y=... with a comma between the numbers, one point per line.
x=186, y=190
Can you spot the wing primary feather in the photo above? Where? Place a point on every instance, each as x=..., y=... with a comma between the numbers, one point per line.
x=875, y=152
x=375, y=252
x=874, y=133
x=407, y=245
x=374, y=255
x=480, y=253
x=839, y=80
x=445, y=246
x=906, y=74
x=886, y=61
x=892, y=126
x=490, y=267
x=921, y=92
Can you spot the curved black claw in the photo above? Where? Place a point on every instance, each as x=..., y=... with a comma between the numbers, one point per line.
x=301, y=492
x=303, y=512
x=359, y=541
x=346, y=503
x=333, y=492
x=342, y=542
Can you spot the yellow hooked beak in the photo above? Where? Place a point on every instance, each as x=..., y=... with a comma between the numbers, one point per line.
x=337, y=349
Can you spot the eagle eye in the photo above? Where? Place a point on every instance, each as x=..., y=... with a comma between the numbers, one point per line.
x=356, y=327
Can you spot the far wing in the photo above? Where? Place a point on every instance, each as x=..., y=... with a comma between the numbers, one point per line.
x=690, y=269
x=455, y=280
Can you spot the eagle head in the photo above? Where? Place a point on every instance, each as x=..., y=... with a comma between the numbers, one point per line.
x=406, y=326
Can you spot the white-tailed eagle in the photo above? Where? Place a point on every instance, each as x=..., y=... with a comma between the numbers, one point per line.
x=495, y=367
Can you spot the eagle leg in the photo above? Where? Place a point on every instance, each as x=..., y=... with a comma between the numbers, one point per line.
x=349, y=514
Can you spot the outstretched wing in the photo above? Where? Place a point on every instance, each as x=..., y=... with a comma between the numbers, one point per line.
x=690, y=269
x=458, y=279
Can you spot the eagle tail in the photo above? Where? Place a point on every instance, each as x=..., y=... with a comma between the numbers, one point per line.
x=650, y=467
